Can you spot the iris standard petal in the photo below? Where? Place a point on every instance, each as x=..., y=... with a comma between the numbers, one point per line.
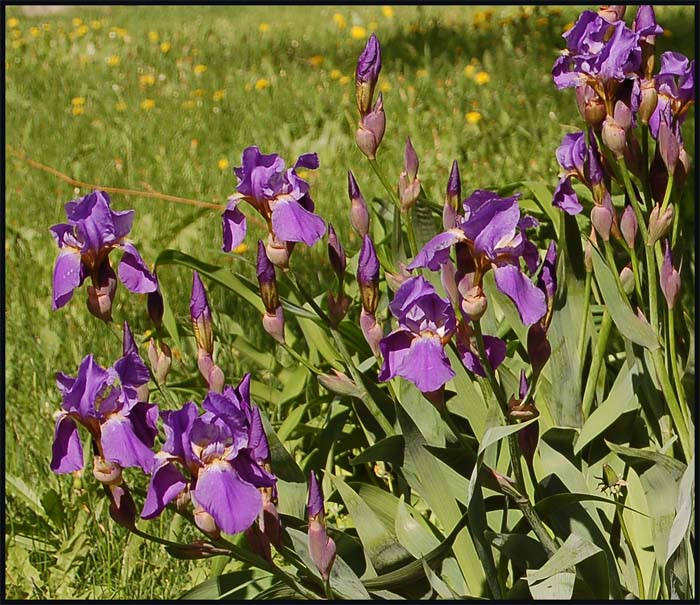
x=232, y=502
x=234, y=226
x=66, y=276
x=121, y=445
x=437, y=251
x=67, y=451
x=394, y=348
x=565, y=197
x=528, y=298
x=133, y=271
x=292, y=223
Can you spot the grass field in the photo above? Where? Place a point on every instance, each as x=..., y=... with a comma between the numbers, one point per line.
x=165, y=99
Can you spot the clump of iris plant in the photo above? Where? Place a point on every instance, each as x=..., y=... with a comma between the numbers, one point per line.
x=93, y=230
x=281, y=196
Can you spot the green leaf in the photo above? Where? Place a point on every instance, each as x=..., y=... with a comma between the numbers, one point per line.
x=620, y=400
x=238, y=585
x=519, y=548
x=291, y=422
x=424, y=224
x=468, y=401
x=684, y=509
x=506, y=306
x=543, y=196
x=20, y=489
x=169, y=319
x=438, y=585
x=388, y=449
x=283, y=463
x=559, y=586
x=423, y=413
x=412, y=532
x=623, y=316
x=221, y=275
x=381, y=546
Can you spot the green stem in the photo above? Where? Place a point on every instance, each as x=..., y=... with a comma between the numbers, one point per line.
x=392, y=192
x=411, y=235
x=667, y=194
x=613, y=267
x=641, y=224
x=523, y=502
x=584, y=323
x=327, y=588
x=637, y=278
x=301, y=360
x=635, y=560
x=674, y=364
x=645, y=164
x=676, y=228
x=673, y=406
x=366, y=397
x=596, y=363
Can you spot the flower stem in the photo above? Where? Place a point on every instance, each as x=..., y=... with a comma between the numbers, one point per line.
x=584, y=323
x=596, y=363
x=635, y=560
x=392, y=192
x=667, y=194
x=523, y=501
x=674, y=364
x=633, y=200
x=637, y=278
x=611, y=261
x=411, y=235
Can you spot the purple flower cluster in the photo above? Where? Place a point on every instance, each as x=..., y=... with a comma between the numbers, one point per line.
x=281, y=196
x=93, y=230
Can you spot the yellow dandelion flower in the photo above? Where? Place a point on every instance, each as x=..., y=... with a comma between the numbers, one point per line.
x=147, y=80
x=82, y=30
x=264, y=27
x=385, y=87
x=188, y=104
x=338, y=19
x=345, y=80
x=241, y=248
x=77, y=21
x=335, y=74
x=13, y=22
x=17, y=44
x=77, y=101
x=473, y=117
x=421, y=73
x=15, y=34
x=78, y=110
x=148, y=104
x=469, y=71
x=164, y=47
x=35, y=32
x=222, y=164
x=388, y=11
x=153, y=36
x=199, y=69
x=113, y=60
x=316, y=60
x=261, y=84
x=198, y=92
x=357, y=32
x=482, y=78
x=96, y=24
x=218, y=95
x=120, y=106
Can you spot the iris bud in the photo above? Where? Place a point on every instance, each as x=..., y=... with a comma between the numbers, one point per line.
x=106, y=471
x=670, y=279
x=267, y=280
x=274, y=324
x=201, y=315
x=394, y=280
x=359, y=215
x=122, y=508
x=161, y=357
x=452, y=196
x=474, y=301
x=612, y=12
x=337, y=308
x=212, y=373
x=448, y=273
x=205, y=522
x=336, y=253
x=369, y=64
x=590, y=105
x=627, y=279
x=602, y=220
x=321, y=546
x=101, y=295
x=368, y=276
x=659, y=223
x=340, y=383
x=614, y=137
x=155, y=305
x=409, y=184
x=538, y=348
x=588, y=252
x=371, y=131
x=270, y=524
x=628, y=225
x=668, y=147
x=371, y=330
x=649, y=100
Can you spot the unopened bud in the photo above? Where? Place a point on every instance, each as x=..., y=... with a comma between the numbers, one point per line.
x=590, y=105
x=359, y=215
x=659, y=223
x=205, y=522
x=101, y=294
x=527, y=439
x=122, y=508
x=668, y=147
x=270, y=524
x=161, y=357
x=212, y=373
x=258, y=543
x=474, y=302
x=340, y=383
x=649, y=100
x=337, y=308
x=614, y=137
x=628, y=226
x=267, y=280
x=369, y=64
x=368, y=276
x=336, y=253
x=602, y=220
x=371, y=330
x=448, y=274
x=274, y=324
x=409, y=184
x=670, y=279
x=588, y=251
x=278, y=251
x=371, y=131
x=612, y=12
x=538, y=348
x=395, y=280
x=106, y=471
x=627, y=279
x=200, y=314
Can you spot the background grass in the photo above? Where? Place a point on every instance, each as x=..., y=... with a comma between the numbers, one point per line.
x=166, y=99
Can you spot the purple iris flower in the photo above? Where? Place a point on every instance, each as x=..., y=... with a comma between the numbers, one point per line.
x=106, y=402
x=468, y=350
x=415, y=351
x=369, y=64
x=597, y=52
x=280, y=195
x=223, y=451
x=645, y=24
x=494, y=233
x=85, y=241
x=675, y=84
